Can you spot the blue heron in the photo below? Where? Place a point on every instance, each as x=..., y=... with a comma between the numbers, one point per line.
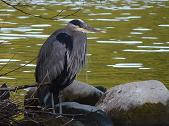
x=59, y=60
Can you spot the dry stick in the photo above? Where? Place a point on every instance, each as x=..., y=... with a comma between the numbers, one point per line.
x=23, y=87
x=7, y=63
x=74, y=116
x=60, y=13
x=18, y=87
x=71, y=120
x=17, y=68
x=39, y=16
x=72, y=14
x=15, y=7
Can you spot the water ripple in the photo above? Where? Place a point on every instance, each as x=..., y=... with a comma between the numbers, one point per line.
x=147, y=37
x=7, y=78
x=156, y=47
x=164, y=25
x=119, y=58
x=121, y=42
x=7, y=22
x=7, y=10
x=19, y=29
x=7, y=60
x=142, y=50
x=141, y=29
x=18, y=36
x=29, y=65
x=127, y=65
x=101, y=19
x=41, y=25
x=98, y=14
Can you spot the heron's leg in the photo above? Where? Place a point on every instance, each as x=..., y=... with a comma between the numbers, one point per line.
x=53, y=104
x=60, y=102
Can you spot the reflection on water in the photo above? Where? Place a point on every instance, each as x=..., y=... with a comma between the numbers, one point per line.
x=157, y=47
x=19, y=29
x=149, y=37
x=21, y=36
x=121, y=42
x=127, y=65
x=164, y=25
x=7, y=60
x=134, y=46
x=119, y=58
x=142, y=50
x=7, y=78
x=28, y=71
x=29, y=65
x=141, y=29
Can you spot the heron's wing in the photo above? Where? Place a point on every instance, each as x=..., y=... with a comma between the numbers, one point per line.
x=53, y=59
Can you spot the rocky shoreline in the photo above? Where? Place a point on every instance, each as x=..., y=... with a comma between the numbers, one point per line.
x=144, y=103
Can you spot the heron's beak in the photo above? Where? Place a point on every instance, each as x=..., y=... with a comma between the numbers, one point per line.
x=88, y=29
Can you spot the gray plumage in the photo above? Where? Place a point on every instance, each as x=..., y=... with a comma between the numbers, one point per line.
x=60, y=59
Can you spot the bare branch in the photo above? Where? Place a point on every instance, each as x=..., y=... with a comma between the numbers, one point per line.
x=17, y=68
x=39, y=16
x=7, y=63
x=72, y=14
x=18, y=87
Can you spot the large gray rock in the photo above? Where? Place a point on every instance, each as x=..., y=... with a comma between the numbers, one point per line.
x=82, y=93
x=76, y=92
x=142, y=103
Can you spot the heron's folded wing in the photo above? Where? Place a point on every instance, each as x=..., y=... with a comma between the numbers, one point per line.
x=53, y=57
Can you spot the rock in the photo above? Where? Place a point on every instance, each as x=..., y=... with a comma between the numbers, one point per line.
x=101, y=88
x=92, y=115
x=82, y=93
x=76, y=92
x=142, y=103
x=82, y=115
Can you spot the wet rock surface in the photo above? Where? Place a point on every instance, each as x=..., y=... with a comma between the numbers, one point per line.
x=144, y=103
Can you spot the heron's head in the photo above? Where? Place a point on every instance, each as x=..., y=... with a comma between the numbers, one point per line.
x=81, y=26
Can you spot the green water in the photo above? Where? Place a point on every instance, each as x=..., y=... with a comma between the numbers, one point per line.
x=134, y=47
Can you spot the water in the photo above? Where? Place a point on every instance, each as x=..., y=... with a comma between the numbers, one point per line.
x=134, y=47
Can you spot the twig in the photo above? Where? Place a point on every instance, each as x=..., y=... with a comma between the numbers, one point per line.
x=17, y=68
x=68, y=122
x=24, y=12
x=58, y=114
x=57, y=14
x=7, y=63
x=18, y=87
x=72, y=14
x=39, y=16
x=23, y=87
